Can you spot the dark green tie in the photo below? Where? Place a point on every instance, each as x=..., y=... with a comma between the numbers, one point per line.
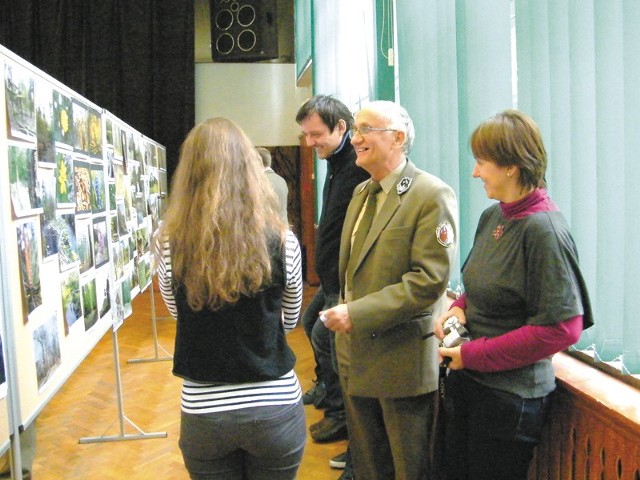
x=363, y=229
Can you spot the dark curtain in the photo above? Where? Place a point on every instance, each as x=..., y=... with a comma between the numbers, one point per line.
x=134, y=58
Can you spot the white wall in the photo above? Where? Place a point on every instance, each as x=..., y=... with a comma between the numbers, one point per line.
x=262, y=98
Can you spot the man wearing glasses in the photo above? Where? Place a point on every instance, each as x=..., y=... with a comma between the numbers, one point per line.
x=397, y=249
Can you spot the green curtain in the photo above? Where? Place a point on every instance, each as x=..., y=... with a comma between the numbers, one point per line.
x=578, y=71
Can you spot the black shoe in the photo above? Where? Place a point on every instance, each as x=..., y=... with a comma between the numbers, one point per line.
x=309, y=395
x=329, y=430
x=315, y=395
x=347, y=474
x=339, y=461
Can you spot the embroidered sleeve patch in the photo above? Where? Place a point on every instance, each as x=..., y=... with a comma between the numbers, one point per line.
x=444, y=234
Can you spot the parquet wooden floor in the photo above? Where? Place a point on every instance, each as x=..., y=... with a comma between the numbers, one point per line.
x=87, y=406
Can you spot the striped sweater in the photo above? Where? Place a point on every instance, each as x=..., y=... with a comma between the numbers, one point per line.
x=199, y=398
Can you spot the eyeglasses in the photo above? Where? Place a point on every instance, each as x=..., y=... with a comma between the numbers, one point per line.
x=364, y=130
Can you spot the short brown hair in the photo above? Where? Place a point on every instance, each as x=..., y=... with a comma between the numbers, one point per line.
x=329, y=109
x=512, y=138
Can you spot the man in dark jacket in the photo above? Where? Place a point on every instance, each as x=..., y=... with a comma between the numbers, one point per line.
x=325, y=123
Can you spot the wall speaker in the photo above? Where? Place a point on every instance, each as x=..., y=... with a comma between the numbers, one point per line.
x=243, y=30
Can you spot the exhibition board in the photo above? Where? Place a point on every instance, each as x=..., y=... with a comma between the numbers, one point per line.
x=82, y=193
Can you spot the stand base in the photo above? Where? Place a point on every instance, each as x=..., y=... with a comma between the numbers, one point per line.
x=116, y=438
x=155, y=358
x=147, y=360
x=124, y=436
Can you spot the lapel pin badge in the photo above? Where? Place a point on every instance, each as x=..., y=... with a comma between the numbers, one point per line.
x=403, y=185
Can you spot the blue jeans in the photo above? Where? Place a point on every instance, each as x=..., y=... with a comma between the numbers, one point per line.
x=258, y=443
x=490, y=434
x=309, y=319
x=324, y=351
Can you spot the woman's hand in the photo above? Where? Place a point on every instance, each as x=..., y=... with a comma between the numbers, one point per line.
x=455, y=356
x=454, y=312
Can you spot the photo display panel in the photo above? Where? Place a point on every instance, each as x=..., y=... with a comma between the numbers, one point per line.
x=82, y=194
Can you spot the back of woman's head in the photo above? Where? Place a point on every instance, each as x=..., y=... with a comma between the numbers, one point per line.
x=512, y=138
x=220, y=208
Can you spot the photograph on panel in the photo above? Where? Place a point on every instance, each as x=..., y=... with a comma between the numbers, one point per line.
x=100, y=241
x=117, y=141
x=84, y=242
x=98, y=200
x=62, y=119
x=80, y=128
x=118, y=259
x=89, y=303
x=65, y=185
x=103, y=291
x=48, y=219
x=20, y=95
x=45, y=145
x=28, y=237
x=126, y=293
x=46, y=350
x=95, y=133
x=23, y=180
x=118, y=306
x=67, y=243
x=111, y=174
x=82, y=179
x=71, y=300
x=144, y=271
x=112, y=197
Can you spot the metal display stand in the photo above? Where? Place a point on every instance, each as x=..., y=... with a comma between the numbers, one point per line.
x=122, y=418
x=155, y=358
x=9, y=356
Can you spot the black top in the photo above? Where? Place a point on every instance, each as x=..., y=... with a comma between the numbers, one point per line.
x=243, y=342
x=343, y=175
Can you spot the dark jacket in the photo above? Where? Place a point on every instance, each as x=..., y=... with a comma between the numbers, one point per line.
x=342, y=177
x=240, y=343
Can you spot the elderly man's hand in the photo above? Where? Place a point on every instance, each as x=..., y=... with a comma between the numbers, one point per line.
x=337, y=319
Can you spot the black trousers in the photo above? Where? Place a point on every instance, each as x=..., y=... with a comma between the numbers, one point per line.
x=490, y=434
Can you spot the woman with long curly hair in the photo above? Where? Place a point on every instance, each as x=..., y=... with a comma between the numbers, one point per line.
x=230, y=272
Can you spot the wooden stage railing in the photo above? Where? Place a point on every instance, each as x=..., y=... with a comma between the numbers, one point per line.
x=594, y=428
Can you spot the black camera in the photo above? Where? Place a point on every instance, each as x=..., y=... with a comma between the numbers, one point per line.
x=455, y=333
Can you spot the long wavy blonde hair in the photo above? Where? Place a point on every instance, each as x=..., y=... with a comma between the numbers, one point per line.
x=221, y=208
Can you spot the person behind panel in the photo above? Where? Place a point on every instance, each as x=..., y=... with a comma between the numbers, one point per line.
x=278, y=183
